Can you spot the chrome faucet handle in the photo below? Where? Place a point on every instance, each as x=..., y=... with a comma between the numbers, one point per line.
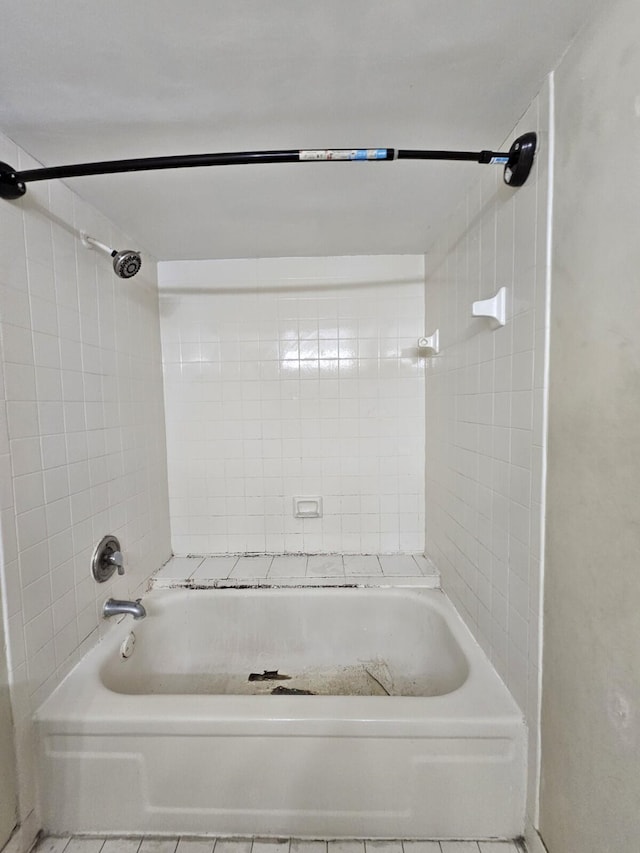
x=107, y=557
x=116, y=559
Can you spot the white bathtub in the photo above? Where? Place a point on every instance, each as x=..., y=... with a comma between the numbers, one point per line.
x=171, y=740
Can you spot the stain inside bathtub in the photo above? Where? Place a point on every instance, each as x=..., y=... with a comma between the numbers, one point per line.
x=365, y=678
x=268, y=675
x=290, y=691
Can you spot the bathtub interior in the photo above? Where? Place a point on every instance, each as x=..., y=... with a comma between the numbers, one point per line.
x=274, y=642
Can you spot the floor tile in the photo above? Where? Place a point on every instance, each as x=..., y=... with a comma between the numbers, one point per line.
x=361, y=564
x=338, y=580
x=214, y=567
x=268, y=845
x=251, y=567
x=121, y=845
x=308, y=847
x=425, y=566
x=52, y=844
x=346, y=847
x=378, y=580
x=288, y=566
x=398, y=564
x=158, y=845
x=325, y=566
x=365, y=569
x=84, y=845
x=195, y=845
x=311, y=580
x=188, y=844
x=227, y=845
x=383, y=846
x=179, y=567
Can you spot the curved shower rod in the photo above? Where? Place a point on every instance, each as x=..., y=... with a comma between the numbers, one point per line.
x=517, y=162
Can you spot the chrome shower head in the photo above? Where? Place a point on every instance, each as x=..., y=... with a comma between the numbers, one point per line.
x=125, y=263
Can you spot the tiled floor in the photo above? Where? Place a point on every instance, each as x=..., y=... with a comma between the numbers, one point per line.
x=298, y=569
x=212, y=845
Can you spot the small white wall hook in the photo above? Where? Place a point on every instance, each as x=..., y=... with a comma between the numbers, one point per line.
x=495, y=308
x=431, y=342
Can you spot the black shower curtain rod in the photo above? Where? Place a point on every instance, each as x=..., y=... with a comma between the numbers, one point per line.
x=517, y=162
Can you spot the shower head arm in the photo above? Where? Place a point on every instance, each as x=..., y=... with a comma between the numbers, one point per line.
x=517, y=162
x=91, y=243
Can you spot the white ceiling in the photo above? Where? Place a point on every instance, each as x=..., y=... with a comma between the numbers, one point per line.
x=105, y=79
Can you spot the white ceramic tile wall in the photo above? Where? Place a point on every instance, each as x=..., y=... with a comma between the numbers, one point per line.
x=82, y=446
x=486, y=410
x=294, y=376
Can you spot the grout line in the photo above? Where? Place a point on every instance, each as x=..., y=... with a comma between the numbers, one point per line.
x=229, y=573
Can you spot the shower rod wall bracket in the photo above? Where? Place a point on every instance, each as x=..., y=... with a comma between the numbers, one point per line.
x=520, y=160
x=517, y=162
x=10, y=184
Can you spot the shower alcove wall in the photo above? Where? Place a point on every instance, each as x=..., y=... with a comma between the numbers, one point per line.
x=82, y=444
x=486, y=425
x=294, y=377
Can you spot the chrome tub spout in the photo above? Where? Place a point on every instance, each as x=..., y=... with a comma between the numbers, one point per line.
x=115, y=607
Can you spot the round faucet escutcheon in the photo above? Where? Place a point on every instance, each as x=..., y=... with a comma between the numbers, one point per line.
x=107, y=558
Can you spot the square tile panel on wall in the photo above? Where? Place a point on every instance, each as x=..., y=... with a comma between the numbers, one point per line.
x=288, y=377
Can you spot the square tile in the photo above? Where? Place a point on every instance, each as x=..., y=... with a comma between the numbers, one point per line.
x=459, y=847
x=288, y=566
x=425, y=565
x=269, y=845
x=214, y=567
x=361, y=564
x=325, y=566
x=398, y=564
x=179, y=568
x=228, y=845
x=195, y=845
x=158, y=845
x=52, y=844
x=308, y=846
x=121, y=845
x=345, y=847
x=383, y=847
x=251, y=567
x=84, y=845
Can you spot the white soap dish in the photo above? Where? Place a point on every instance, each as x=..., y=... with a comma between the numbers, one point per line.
x=430, y=342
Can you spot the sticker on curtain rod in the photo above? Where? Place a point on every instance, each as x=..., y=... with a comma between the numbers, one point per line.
x=345, y=154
